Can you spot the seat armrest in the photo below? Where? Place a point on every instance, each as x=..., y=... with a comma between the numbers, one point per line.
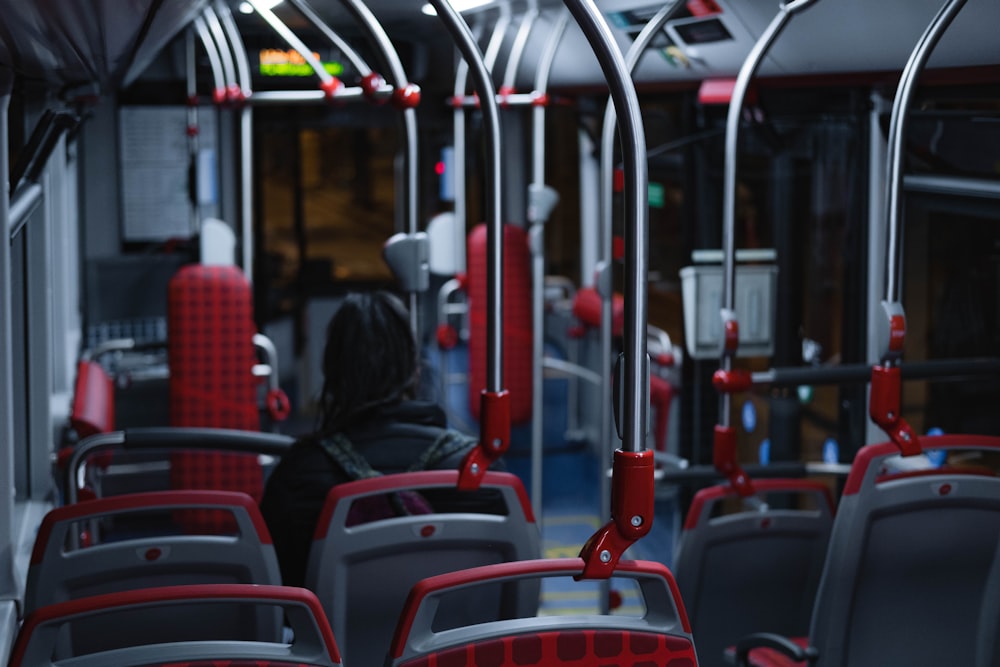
x=783, y=650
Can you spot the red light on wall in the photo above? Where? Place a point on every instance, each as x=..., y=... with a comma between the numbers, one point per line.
x=439, y=168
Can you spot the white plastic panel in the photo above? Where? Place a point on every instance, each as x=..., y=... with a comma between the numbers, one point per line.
x=756, y=291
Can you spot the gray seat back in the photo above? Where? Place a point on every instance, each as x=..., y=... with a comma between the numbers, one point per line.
x=988, y=642
x=655, y=631
x=122, y=543
x=743, y=568
x=909, y=558
x=313, y=644
x=362, y=573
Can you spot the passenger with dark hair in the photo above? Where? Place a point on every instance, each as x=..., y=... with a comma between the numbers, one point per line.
x=370, y=420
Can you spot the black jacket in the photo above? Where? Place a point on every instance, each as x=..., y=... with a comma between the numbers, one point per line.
x=391, y=442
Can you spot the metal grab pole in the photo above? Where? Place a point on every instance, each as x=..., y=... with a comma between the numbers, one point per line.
x=191, y=82
x=885, y=400
x=214, y=59
x=225, y=55
x=604, y=280
x=897, y=122
x=632, y=495
x=496, y=40
x=632, y=421
x=246, y=135
x=724, y=445
x=541, y=89
x=517, y=48
x=747, y=71
x=491, y=122
x=537, y=220
x=405, y=95
x=10, y=579
x=352, y=56
x=239, y=50
x=495, y=414
x=328, y=82
x=642, y=41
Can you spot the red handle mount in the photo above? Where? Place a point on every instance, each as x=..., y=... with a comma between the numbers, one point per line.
x=494, y=439
x=631, y=514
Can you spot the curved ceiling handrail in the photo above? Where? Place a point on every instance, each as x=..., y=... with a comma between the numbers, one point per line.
x=328, y=83
x=632, y=57
x=603, y=280
x=724, y=442
x=214, y=59
x=241, y=96
x=517, y=48
x=540, y=91
x=500, y=28
x=632, y=477
x=240, y=58
x=541, y=199
x=494, y=436
x=458, y=147
x=885, y=401
x=897, y=123
x=352, y=56
x=405, y=96
x=233, y=89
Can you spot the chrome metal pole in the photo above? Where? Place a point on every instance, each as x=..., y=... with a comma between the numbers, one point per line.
x=494, y=245
x=746, y=73
x=411, y=157
x=538, y=263
x=10, y=582
x=897, y=122
x=626, y=101
x=221, y=43
x=492, y=51
x=352, y=56
x=604, y=283
x=246, y=136
x=517, y=48
x=292, y=40
x=214, y=59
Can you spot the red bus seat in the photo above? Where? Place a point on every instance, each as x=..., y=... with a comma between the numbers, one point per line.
x=93, y=408
x=752, y=568
x=988, y=642
x=909, y=559
x=657, y=635
x=363, y=572
x=313, y=645
x=210, y=329
x=108, y=546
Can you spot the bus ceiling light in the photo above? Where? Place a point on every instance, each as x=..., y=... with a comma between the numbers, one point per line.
x=459, y=5
x=247, y=8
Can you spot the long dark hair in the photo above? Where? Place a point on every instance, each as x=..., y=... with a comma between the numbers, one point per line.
x=370, y=360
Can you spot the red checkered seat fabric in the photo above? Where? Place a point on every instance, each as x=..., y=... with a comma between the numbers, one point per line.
x=211, y=355
x=231, y=663
x=517, y=319
x=568, y=648
x=659, y=635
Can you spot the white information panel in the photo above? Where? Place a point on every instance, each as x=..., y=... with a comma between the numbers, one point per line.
x=155, y=161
